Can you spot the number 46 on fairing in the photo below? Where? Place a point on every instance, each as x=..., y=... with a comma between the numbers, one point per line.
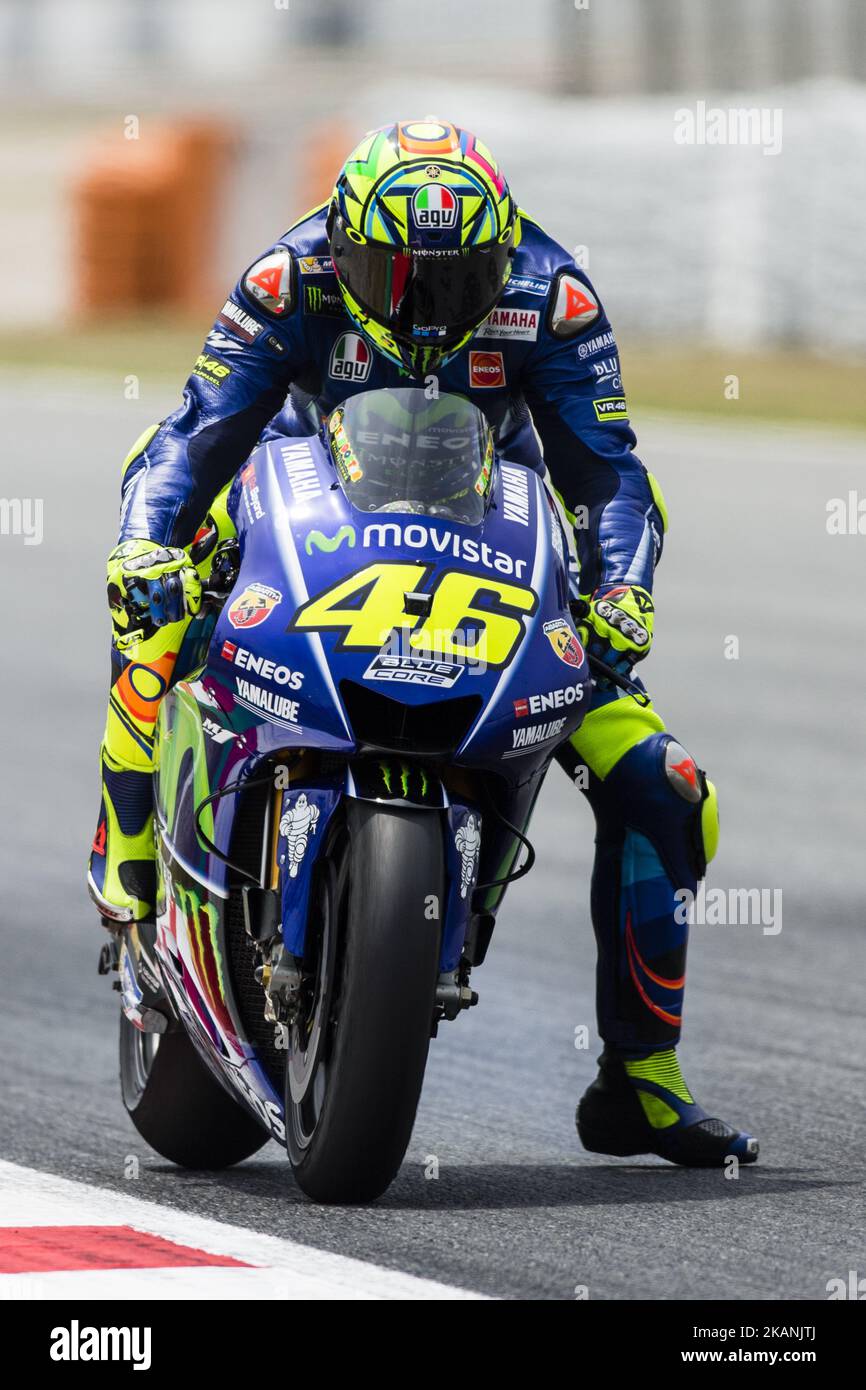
x=378, y=597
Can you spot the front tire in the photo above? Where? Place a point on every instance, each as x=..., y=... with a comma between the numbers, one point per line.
x=178, y=1108
x=357, y=1058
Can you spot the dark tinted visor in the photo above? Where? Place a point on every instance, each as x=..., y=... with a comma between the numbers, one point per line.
x=421, y=295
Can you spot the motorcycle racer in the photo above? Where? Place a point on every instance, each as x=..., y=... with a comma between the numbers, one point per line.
x=421, y=266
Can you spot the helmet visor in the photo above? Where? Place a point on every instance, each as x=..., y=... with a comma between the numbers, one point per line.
x=423, y=296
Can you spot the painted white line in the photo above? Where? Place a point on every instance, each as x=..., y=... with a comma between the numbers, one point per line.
x=285, y=1269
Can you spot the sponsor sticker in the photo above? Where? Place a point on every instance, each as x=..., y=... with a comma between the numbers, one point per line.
x=351, y=358
x=467, y=842
x=317, y=540
x=219, y=342
x=261, y=666
x=552, y=699
x=482, y=482
x=253, y=606
x=611, y=408
x=599, y=343
x=298, y=822
x=315, y=265
x=528, y=284
x=232, y=316
x=386, y=535
x=563, y=641
x=251, y=495
x=413, y=670
x=435, y=207
x=301, y=472
x=511, y=323
x=278, y=708
x=523, y=740
x=515, y=494
x=345, y=458
x=216, y=731
x=486, y=369
x=608, y=370
x=211, y=369
x=323, y=303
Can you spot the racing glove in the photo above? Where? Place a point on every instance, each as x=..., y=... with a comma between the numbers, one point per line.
x=149, y=585
x=616, y=625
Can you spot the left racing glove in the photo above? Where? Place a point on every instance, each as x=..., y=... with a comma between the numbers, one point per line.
x=151, y=585
x=616, y=625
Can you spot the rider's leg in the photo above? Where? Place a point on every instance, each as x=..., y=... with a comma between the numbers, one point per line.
x=121, y=875
x=657, y=828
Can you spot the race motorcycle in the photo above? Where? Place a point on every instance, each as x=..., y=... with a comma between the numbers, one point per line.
x=375, y=688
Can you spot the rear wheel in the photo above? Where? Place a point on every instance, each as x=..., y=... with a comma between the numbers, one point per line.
x=177, y=1106
x=358, y=1046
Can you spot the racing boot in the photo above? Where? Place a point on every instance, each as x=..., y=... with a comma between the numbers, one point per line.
x=640, y=1104
x=122, y=875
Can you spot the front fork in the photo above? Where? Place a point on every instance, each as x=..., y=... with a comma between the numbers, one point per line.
x=277, y=914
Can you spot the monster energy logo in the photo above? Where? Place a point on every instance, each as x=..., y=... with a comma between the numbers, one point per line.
x=329, y=543
x=319, y=301
x=405, y=771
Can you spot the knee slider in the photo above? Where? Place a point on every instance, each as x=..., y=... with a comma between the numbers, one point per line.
x=692, y=784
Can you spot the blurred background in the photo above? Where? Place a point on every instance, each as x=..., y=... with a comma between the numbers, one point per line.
x=150, y=151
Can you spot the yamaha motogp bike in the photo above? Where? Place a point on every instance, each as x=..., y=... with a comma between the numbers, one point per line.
x=380, y=676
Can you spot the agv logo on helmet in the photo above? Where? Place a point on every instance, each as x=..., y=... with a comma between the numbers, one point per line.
x=434, y=207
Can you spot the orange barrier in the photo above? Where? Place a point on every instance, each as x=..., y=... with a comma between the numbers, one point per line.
x=325, y=150
x=144, y=215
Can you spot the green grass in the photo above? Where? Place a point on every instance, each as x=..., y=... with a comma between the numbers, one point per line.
x=772, y=385
x=155, y=347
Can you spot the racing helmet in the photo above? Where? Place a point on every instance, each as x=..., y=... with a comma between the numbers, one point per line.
x=422, y=230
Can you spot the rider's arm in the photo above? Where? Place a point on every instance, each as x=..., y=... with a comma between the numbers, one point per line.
x=573, y=387
x=238, y=382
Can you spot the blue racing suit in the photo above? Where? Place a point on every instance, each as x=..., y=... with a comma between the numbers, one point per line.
x=545, y=370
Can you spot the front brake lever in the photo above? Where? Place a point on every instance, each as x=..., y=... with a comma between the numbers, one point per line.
x=601, y=668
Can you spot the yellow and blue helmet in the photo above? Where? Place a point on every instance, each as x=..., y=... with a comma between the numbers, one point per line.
x=422, y=231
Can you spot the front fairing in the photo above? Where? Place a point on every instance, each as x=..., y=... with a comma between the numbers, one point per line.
x=320, y=581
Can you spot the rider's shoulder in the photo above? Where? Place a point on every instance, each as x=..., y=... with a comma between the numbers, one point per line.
x=307, y=239
x=539, y=253
x=542, y=266
x=270, y=283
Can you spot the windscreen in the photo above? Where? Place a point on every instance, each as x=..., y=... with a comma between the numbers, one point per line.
x=399, y=451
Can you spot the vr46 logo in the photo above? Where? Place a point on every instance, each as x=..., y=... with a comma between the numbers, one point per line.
x=470, y=617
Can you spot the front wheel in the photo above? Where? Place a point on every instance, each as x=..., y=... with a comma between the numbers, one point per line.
x=358, y=1047
x=177, y=1106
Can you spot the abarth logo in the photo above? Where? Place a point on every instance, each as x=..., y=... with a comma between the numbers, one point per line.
x=254, y=605
x=564, y=642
